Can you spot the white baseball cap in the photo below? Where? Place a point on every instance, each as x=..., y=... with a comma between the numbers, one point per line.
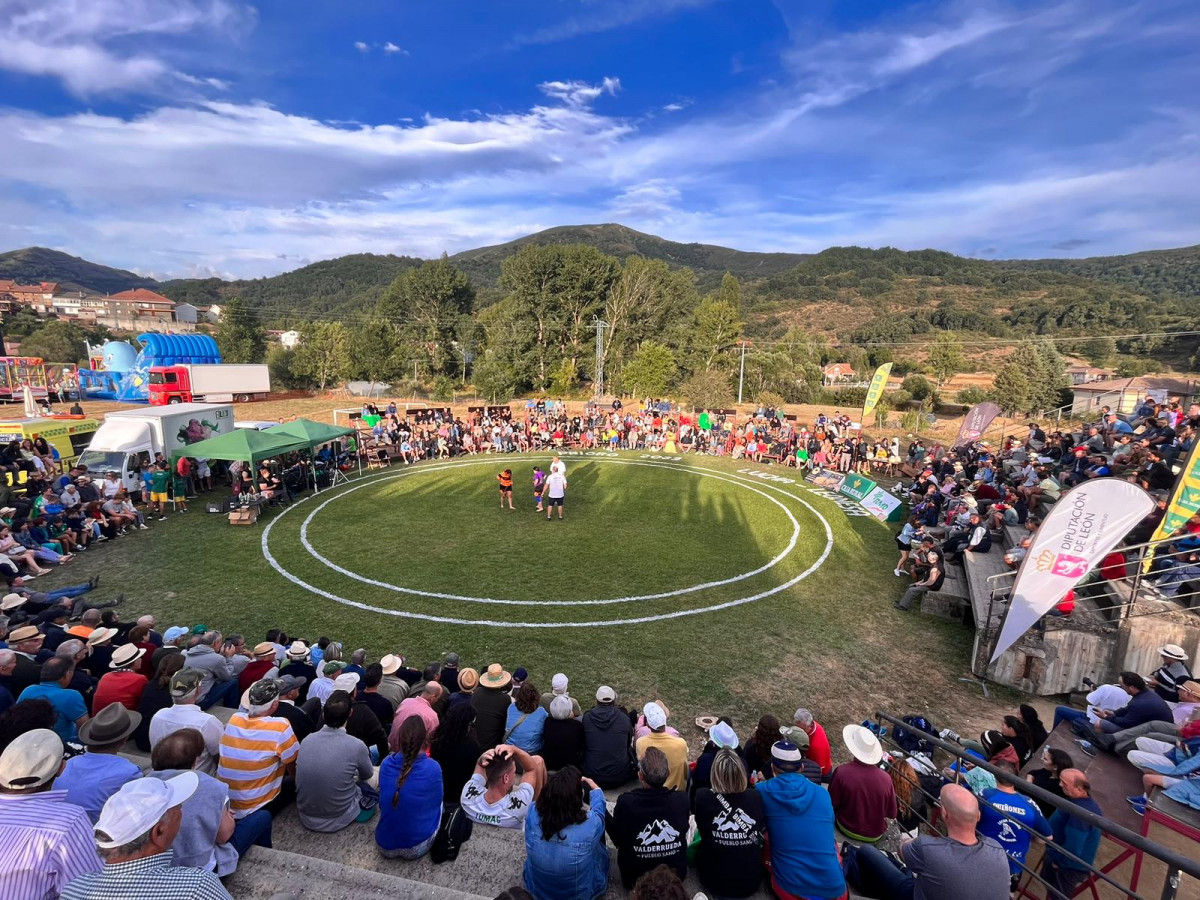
x=656, y=717
x=347, y=681
x=558, y=684
x=138, y=805
x=31, y=760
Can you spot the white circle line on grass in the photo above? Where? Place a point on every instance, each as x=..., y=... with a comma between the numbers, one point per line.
x=275, y=564
x=678, y=592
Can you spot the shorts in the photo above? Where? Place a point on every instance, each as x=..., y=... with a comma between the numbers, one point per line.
x=505, y=490
x=556, y=501
x=156, y=497
x=902, y=547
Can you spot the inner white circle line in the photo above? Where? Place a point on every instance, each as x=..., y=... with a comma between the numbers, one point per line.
x=275, y=564
x=679, y=592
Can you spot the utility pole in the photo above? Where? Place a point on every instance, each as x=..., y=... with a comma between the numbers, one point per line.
x=742, y=369
x=598, y=325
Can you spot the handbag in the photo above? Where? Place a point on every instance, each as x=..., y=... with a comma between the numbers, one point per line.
x=454, y=831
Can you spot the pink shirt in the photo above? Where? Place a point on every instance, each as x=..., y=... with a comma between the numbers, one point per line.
x=413, y=706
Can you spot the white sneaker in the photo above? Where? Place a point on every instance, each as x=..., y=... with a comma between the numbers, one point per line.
x=897, y=572
x=144, y=527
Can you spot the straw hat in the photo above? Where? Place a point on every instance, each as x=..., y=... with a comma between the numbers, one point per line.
x=265, y=650
x=1174, y=651
x=495, y=677
x=11, y=601
x=126, y=655
x=391, y=664
x=862, y=744
x=24, y=633
x=100, y=635
x=468, y=680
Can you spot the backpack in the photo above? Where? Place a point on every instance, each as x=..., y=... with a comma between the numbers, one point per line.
x=910, y=739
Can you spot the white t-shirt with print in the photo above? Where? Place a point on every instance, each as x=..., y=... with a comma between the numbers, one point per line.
x=508, y=812
x=557, y=485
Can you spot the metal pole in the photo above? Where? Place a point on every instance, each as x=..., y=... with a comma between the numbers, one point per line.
x=741, y=371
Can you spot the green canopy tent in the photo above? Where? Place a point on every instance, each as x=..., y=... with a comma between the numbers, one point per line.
x=243, y=444
x=314, y=434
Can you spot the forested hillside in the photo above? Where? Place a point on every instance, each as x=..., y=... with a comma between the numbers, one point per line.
x=33, y=265
x=1154, y=272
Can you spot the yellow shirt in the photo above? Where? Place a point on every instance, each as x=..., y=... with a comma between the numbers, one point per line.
x=676, y=750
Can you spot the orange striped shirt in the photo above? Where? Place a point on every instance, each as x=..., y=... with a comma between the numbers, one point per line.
x=254, y=754
x=505, y=481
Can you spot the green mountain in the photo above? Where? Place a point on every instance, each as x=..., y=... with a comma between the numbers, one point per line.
x=1152, y=272
x=708, y=261
x=36, y=264
x=348, y=284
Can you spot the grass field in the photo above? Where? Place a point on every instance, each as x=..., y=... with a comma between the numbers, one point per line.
x=635, y=528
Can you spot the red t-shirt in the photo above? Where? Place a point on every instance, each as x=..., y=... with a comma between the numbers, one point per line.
x=254, y=671
x=818, y=749
x=1066, y=605
x=183, y=468
x=119, y=687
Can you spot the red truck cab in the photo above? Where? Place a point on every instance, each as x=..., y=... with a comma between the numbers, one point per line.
x=169, y=384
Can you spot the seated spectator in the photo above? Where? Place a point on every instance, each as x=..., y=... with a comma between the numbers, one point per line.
x=491, y=701
x=758, y=748
x=448, y=676
x=455, y=750
x=207, y=826
x=289, y=695
x=82, y=683
x=333, y=773
x=184, y=689
x=960, y=865
x=607, y=741
x=135, y=833
x=1062, y=872
x=558, y=688
x=975, y=537
x=649, y=824
x=562, y=736
x=156, y=696
x=660, y=883
x=1171, y=674
x=392, y=687
x=211, y=657
x=927, y=577
x=298, y=666
x=494, y=795
x=92, y=778
x=257, y=760
x=526, y=720
x=668, y=741
x=47, y=840
x=1054, y=763
x=72, y=711
x=369, y=694
x=818, y=742
x=862, y=793
x=565, y=854
x=732, y=825
x=720, y=736
x=410, y=790
x=263, y=665
x=1002, y=806
x=468, y=680
x=802, y=854
x=420, y=705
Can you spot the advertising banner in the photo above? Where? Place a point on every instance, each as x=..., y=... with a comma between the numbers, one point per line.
x=875, y=391
x=856, y=486
x=831, y=481
x=882, y=505
x=1185, y=502
x=976, y=422
x=1079, y=530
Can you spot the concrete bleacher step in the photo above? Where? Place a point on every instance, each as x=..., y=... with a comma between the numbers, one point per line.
x=953, y=600
x=264, y=873
x=979, y=567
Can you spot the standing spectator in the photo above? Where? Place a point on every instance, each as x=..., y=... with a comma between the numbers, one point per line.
x=410, y=790
x=802, y=857
x=491, y=702
x=863, y=796
x=649, y=824
x=1061, y=872
x=207, y=828
x=92, y=778
x=123, y=684
x=184, y=713
x=72, y=711
x=45, y=841
x=607, y=739
x=673, y=747
x=333, y=771
x=732, y=825
x=135, y=834
x=258, y=753
x=565, y=855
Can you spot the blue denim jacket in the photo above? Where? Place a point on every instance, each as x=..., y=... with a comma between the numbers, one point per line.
x=573, y=865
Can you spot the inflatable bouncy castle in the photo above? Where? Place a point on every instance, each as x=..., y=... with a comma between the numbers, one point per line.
x=123, y=372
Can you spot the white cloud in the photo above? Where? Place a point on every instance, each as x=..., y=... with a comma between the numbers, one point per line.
x=650, y=200
x=76, y=41
x=389, y=47
x=579, y=93
x=362, y=46
x=605, y=16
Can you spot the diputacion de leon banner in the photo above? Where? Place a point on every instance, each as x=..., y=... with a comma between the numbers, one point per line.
x=1080, y=529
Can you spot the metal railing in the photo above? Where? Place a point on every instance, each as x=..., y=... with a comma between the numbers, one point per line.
x=1175, y=863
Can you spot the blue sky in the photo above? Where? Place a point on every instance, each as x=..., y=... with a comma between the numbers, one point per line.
x=195, y=137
